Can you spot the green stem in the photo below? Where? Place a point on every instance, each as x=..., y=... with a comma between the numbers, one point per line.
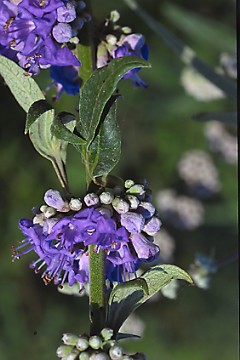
x=97, y=293
x=97, y=287
x=86, y=49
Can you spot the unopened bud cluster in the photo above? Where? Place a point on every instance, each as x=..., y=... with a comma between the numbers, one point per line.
x=222, y=141
x=95, y=347
x=182, y=212
x=197, y=170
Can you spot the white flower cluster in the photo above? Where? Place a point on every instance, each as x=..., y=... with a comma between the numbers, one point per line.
x=198, y=86
x=182, y=212
x=221, y=141
x=198, y=171
x=201, y=270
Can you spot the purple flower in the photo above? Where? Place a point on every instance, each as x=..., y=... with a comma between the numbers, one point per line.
x=60, y=237
x=38, y=32
x=65, y=78
x=144, y=248
x=133, y=45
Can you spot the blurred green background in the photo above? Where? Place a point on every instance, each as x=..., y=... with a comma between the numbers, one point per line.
x=156, y=129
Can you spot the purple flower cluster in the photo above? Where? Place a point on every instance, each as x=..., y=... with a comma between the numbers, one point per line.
x=35, y=32
x=61, y=232
x=118, y=42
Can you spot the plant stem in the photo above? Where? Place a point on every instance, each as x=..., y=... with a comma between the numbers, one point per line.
x=97, y=293
x=97, y=287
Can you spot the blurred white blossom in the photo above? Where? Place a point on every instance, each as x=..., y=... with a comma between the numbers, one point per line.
x=229, y=64
x=199, y=173
x=198, y=86
x=182, y=212
x=221, y=141
x=170, y=290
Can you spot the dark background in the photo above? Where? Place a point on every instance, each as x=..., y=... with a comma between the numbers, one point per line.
x=157, y=127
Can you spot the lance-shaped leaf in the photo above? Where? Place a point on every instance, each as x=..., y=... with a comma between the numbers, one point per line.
x=97, y=91
x=128, y=296
x=25, y=90
x=105, y=150
x=63, y=126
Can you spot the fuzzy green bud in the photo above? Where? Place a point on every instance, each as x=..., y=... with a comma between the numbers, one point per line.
x=106, y=197
x=70, y=339
x=73, y=355
x=114, y=16
x=82, y=343
x=107, y=333
x=120, y=205
x=64, y=350
x=136, y=190
x=84, y=356
x=111, y=39
x=95, y=342
x=100, y=356
x=116, y=352
x=75, y=204
x=134, y=202
x=128, y=183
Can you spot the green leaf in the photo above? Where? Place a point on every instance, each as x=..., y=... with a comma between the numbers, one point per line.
x=226, y=118
x=127, y=297
x=48, y=145
x=60, y=128
x=123, y=300
x=25, y=90
x=105, y=150
x=97, y=91
x=35, y=111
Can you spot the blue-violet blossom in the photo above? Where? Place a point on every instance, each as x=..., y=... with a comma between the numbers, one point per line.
x=37, y=31
x=60, y=237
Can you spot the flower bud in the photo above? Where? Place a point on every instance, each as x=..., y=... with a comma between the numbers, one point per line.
x=73, y=355
x=106, y=333
x=114, y=16
x=126, y=30
x=128, y=183
x=116, y=352
x=54, y=199
x=39, y=219
x=70, y=339
x=146, y=209
x=106, y=197
x=84, y=356
x=49, y=211
x=133, y=222
x=75, y=204
x=111, y=39
x=95, y=342
x=91, y=199
x=82, y=343
x=134, y=202
x=64, y=350
x=100, y=356
x=152, y=226
x=120, y=205
x=136, y=190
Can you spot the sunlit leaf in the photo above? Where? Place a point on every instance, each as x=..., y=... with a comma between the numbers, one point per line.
x=97, y=91
x=127, y=297
x=25, y=90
